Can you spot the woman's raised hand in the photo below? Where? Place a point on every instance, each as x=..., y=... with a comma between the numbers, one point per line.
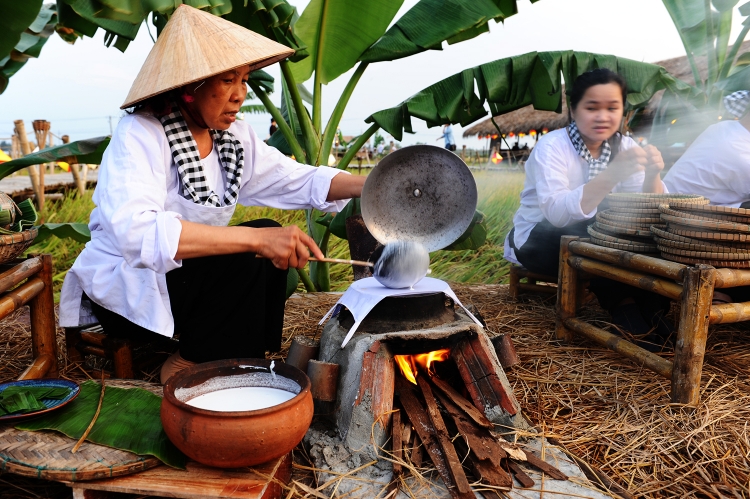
x=654, y=161
x=627, y=163
x=287, y=246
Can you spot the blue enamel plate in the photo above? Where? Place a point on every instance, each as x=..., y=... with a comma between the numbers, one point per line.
x=50, y=404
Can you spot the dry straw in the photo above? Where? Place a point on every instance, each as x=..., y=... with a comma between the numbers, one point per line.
x=195, y=45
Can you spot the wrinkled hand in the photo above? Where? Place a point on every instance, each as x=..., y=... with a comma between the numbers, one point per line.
x=287, y=246
x=654, y=161
x=627, y=163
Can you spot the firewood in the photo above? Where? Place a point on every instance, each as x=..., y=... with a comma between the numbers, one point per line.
x=396, y=443
x=519, y=474
x=484, y=470
x=444, y=439
x=481, y=442
x=471, y=411
x=544, y=466
x=427, y=434
x=416, y=452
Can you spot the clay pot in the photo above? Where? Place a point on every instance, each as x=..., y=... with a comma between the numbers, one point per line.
x=235, y=439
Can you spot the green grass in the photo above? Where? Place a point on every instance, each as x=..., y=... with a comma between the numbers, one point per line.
x=498, y=200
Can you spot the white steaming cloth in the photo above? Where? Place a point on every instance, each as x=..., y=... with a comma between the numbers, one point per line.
x=363, y=295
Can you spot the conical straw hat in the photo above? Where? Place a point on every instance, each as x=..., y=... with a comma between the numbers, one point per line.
x=195, y=45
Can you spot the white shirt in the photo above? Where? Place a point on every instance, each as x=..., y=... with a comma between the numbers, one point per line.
x=135, y=226
x=553, y=188
x=716, y=165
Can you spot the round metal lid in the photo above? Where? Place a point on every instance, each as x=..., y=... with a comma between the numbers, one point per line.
x=424, y=194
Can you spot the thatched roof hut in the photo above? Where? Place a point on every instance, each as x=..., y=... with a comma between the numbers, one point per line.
x=527, y=118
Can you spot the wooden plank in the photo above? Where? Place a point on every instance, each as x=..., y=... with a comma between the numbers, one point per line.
x=692, y=333
x=519, y=474
x=475, y=414
x=416, y=452
x=444, y=441
x=423, y=426
x=567, y=291
x=396, y=446
x=484, y=470
x=494, y=374
x=199, y=481
x=544, y=466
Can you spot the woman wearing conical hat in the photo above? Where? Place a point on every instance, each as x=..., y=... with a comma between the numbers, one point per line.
x=162, y=260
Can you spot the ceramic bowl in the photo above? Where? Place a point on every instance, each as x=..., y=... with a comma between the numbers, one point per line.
x=235, y=439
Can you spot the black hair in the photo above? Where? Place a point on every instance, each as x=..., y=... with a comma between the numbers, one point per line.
x=599, y=76
x=159, y=105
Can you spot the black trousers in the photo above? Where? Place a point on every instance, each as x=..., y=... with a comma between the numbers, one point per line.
x=541, y=254
x=226, y=306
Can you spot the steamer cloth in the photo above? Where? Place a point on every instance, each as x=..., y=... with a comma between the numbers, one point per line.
x=363, y=295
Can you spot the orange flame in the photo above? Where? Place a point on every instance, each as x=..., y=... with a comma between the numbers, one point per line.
x=408, y=363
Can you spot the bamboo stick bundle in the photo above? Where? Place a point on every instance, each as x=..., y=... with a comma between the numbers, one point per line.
x=23, y=140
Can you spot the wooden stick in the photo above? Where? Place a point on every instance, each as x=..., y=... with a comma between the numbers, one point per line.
x=96, y=415
x=544, y=466
x=416, y=452
x=335, y=260
x=567, y=284
x=396, y=443
x=520, y=475
x=626, y=259
x=471, y=411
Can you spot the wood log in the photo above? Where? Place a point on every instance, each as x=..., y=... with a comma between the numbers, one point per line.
x=427, y=434
x=692, y=333
x=471, y=411
x=506, y=352
x=632, y=278
x=515, y=280
x=567, y=291
x=628, y=260
x=23, y=140
x=42, y=317
x=324, y=377
x=396, y=443
x=633, y=352
x=444, y=439
x=519, y=474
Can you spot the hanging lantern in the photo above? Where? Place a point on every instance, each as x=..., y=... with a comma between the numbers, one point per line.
x=494, y=137
x=503, y=135
x=544, y=130
x=532, y=133
x=521, y=135
x=511, y=135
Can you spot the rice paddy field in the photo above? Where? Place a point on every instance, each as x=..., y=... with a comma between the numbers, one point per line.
x=498, y=200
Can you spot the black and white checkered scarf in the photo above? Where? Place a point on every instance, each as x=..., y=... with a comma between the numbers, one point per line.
x=737, y=103
x=596, y=166
x=189, y=165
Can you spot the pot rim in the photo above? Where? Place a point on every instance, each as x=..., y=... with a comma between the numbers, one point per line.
x=169, y=386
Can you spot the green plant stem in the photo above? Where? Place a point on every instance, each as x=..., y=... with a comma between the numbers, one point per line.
x=338, y=111
x=352, y=151
x=311, y=141
x=710, y=49
x=306, y=281
x=724, y=72
x=286, y=130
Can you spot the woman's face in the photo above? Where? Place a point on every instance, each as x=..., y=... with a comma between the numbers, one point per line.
x=219, y=99
x=599, y=112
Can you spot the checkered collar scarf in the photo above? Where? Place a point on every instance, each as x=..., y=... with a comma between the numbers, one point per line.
x=189, y=165
x=596, y=166
x=737, y=103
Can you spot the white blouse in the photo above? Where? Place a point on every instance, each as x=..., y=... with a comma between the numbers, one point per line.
x=553, y=188
x=135, y=226
x=716, y=166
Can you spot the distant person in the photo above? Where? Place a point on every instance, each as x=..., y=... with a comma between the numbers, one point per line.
x=717, y=164
x=380, y=148
x=393, y=147
x=272, y=129
x=450, y=144
x=515, y=147
x=571, y=171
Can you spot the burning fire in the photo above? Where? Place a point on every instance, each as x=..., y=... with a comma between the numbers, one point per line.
x=408, y=363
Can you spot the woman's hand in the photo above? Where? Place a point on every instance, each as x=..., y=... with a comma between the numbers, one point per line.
x=627, y=163
x=286, y=246
x=654, y=161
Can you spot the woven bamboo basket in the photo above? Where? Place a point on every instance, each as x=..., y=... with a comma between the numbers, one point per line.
x=664, y=235
x=12, y=245
x=711, y=235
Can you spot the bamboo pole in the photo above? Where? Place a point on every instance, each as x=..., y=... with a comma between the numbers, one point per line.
x=23, y=140
x=692, y=333
x=41, y=129
x=75, y=172
x=567, y=291
x=626, y=259
x=731, y=278
x=42, y=317
x=637, y=279
x=639, y=355
x=729, y=312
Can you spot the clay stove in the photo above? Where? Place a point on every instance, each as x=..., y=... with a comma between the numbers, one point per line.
x=408, y=325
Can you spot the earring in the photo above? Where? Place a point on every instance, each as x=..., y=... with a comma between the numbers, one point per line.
x=187, y=97
x=199, y=86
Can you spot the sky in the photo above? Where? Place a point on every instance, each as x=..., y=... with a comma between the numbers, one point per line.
x=79, y=88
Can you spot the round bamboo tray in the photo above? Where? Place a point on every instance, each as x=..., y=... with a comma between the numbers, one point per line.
x=617, y=230
x=709, y=208
x=668, y=210
x=628, y=210
x=613, y=239
x=12, y=245
x=703, y=255
x=651, y=200
x=708, y=225
x=682, y=230
x=632, y=247
x=630, y=219
x=47, y=454
x=665, y=235
x=727, y=264
x=701, y=247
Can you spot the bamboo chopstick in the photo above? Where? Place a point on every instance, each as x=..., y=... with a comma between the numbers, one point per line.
x=359, y=263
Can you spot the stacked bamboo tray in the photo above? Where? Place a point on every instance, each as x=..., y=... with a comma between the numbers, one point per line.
x=627, y=224
x=701, y=233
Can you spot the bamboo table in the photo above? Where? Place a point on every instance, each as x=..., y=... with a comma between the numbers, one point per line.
x=692, y=286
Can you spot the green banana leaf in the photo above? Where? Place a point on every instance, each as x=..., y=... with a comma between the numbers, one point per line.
x=77, y=231
x=289, y=113
x=24, y=29
x=431, y=22
x=514, y=82
x=81, y=151
x=473, y=237
x=337, y=32
x=292, y=280
x=129, y=419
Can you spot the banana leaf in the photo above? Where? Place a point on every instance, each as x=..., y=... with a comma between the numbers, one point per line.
x=17, y=17
x=431, y=22
x=473, y=237
x=81, y=151
x=129, y=420
x=22, y=35
x=514, y=82
x=337, y=32
x=77, y=231
x=289, y=113
x=292, y=280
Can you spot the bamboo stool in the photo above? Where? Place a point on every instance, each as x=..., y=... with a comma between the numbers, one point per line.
x=692, y=285
x=517, y=287
x=37, y=293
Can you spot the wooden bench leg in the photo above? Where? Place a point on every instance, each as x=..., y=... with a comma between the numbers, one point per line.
x=567, y=291
x=42, y=312
x=515, y=281
x=698, y=286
